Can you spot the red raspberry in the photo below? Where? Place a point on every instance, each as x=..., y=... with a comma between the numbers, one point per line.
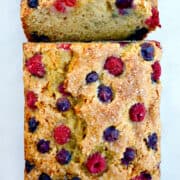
x=137, y=112
x=59, y=5
x=114, y=65
x=156, y=71
x=62, y=90
x=96, y=163
x=65, y=46
x=31, y=99
x=62, y=134
x=158, y=44
x=35, y=66
x=137, y=178
x=124, y=43
x=70, y=3
x=153, y=21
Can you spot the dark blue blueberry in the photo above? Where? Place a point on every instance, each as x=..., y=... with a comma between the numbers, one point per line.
x=105, y=94
x=124, y=4
x=129, y=156
x=151, y=141
x=75, y=178
x=139, y=34
x=33, y=3
x=63, y=156
x=124, y=11
x=63, y=104
x=92, y=77
x=43, y=146
x=145, y=176
x=44, y=176
x=39, y=38
x=147, y=51
x=29, y=166
x=33, y=124
x=111, y=134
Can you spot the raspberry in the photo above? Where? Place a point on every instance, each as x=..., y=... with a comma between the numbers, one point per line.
x=153, y=21
x=105, y=94
x=96, y=163
x=92, y=77
x=43, y=146
x=62, y=134
x=137, y=112
x=44, y=176
x=63, y=104
x=59, y=5
x=129, y=156
x=152, y=140
x=70, y=3
x=32, y=124
x=111, y=134
x=123, y=4
x=31, y=99
x=156, y=71
x=62, y=90
x=147, y=51
x=63, y=157
x=35, y=66
x=66, y=46
x=114, y=65
x=158, y=44
x=123, y=43
x=33, y=3
x=29, y=166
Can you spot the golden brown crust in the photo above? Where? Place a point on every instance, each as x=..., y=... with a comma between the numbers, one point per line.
x=84, y=22
x=22, y=14
x=89, y=117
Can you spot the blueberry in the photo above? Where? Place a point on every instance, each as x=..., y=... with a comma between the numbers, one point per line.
x=63, y=104
x=29, y=166
x=33, y=124
x=92, y=77
x=44, y=176
x=105, y=94
x=124, y=4
x=75, y=178
x=43, y=146
x=111, y=134
x=33, y=3
x=129, y=156
x=145, y=176
x=147, y=51
x=39, y=38
x=63, y=156
x=124, y=11
x=139, y=34
x=152, y=140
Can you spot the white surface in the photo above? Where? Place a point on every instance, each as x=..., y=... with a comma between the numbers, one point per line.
x=11, y=90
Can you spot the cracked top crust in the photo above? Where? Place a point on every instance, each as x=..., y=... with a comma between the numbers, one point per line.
x=88, y=117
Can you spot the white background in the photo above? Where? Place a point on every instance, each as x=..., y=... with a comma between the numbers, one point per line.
x=11, y=90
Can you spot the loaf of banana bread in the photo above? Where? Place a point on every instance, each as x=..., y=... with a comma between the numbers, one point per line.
x=88, y=20
x=92, y=111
